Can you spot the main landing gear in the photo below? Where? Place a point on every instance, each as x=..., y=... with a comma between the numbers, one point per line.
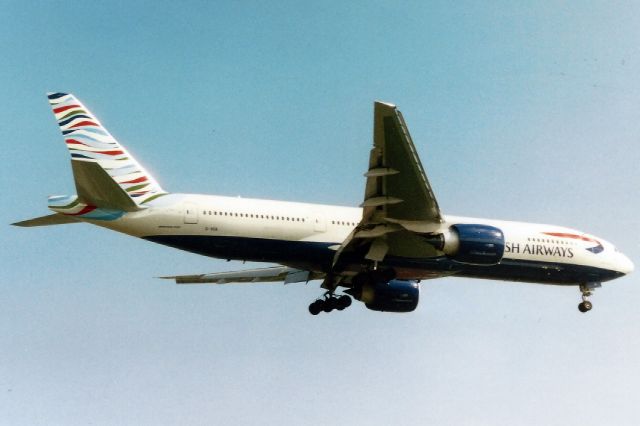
x=329, y=302
x=586, y=290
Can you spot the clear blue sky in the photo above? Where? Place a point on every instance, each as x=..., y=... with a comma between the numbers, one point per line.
x=526, y=111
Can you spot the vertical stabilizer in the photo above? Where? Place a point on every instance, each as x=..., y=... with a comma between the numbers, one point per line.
x=106, y=175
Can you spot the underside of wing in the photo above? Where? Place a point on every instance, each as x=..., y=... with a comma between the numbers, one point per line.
x=399, y=206
x=260, y=275
x=397, y=186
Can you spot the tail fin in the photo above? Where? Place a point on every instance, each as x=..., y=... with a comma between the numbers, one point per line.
x=105, y=174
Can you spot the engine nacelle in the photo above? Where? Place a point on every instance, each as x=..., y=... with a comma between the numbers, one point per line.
x=391, y=296
x=472, y=244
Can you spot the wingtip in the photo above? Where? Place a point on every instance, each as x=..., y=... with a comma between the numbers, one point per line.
x=387, y=104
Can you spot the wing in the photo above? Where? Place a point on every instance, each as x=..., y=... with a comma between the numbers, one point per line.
x=397, y=186
x=399, y=208
x=399, y=203
x=260, y=275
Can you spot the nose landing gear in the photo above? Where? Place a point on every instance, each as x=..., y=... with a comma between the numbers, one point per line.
x=585, y=306
x=329, y=302
x=587, y=290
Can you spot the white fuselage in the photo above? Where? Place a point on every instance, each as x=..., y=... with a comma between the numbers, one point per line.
x=301, y=234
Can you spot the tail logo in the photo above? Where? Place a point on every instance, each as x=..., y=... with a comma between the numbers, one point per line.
x=88, y=140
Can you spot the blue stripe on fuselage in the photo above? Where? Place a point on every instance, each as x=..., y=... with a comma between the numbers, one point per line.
x=315, y=254
x=318, y=256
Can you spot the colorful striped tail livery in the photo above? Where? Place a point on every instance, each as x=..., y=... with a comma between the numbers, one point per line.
x=106, y=175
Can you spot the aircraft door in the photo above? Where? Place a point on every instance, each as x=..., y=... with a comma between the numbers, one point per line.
x=190, y=213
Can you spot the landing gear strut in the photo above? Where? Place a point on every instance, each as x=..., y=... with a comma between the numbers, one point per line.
x=587, y=291
x=329, y=302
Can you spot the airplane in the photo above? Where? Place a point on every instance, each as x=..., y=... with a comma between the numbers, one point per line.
x=378, y=252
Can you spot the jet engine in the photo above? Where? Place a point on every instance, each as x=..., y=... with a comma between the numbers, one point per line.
x=388, y=296
x=471, y=244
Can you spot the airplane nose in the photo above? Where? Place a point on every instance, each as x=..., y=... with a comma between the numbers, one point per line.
x=625, y=265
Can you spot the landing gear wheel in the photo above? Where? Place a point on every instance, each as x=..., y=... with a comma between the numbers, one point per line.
x=587, y=291
x=585, y=306
x=343, y=302
x=329, y=303
x=316, y=307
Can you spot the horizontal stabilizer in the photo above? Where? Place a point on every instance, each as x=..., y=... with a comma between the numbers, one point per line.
x=97, y=188
x=261, y=275
x=52, y=219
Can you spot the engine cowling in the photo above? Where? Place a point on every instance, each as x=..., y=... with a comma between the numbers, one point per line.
x=472, y=244
x=388, y=296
